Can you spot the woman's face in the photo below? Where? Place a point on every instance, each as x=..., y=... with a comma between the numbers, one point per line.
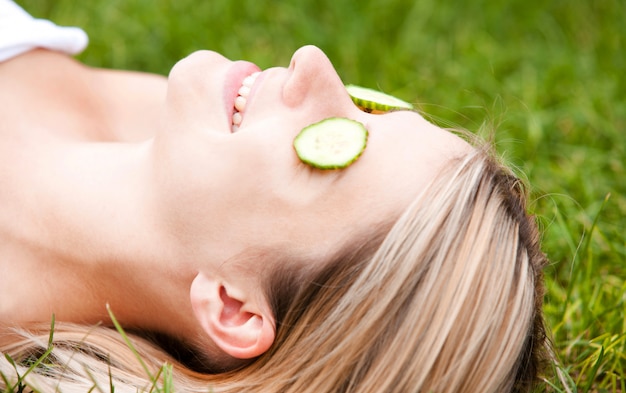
x=244, y=187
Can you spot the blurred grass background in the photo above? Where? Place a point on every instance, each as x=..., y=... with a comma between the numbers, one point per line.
x=547, y=75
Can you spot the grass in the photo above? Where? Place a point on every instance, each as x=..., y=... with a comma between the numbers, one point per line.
x=160, y=382
x=20, y=385
x=546, y=75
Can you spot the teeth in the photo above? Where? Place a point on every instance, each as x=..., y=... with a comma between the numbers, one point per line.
x=244, y=91
x=240, y=103
x=242, y=100
x=249, y=80
x=237, y=118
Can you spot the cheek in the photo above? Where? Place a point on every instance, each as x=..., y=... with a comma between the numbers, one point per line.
x=267, y=146
x=191, y=178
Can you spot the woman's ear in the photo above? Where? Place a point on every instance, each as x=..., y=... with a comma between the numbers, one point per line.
x=233, y=318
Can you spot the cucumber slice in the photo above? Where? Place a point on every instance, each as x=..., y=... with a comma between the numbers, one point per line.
x=332, y=143
x=375, y=101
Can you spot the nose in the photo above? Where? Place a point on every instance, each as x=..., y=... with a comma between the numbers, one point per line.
x=314, y=79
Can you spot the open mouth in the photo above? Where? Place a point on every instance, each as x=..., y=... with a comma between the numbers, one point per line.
x=242, y=100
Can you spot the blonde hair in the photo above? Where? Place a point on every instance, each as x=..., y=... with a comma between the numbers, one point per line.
x=447, y=300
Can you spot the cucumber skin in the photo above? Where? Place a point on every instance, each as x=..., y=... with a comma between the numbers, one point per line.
x=371, y=105
x=329, y=166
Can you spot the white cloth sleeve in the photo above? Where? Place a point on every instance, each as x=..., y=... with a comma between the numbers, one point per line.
x=20, y=32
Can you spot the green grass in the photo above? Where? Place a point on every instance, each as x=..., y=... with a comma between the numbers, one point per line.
x=546, y=74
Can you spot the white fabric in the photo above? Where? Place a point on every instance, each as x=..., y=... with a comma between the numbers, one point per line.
x=20, y=32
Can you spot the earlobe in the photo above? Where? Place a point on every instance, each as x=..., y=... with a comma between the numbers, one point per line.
x=240, y=328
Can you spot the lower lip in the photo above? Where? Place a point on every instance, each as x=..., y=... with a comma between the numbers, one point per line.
x=234, y=78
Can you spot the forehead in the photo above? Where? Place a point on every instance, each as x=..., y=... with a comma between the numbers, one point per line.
x=407, y=135
x=404, y=153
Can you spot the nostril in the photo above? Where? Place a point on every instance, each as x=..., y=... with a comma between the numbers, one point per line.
x=292, y=62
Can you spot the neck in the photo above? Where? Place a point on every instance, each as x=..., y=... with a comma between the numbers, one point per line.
x=83, y=242
x=79, y=225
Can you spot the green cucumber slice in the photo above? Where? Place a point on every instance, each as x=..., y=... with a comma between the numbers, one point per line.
x=373, y=100
x=332, y=143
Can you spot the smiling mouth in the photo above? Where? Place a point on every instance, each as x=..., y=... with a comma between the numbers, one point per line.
x=242, y=100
